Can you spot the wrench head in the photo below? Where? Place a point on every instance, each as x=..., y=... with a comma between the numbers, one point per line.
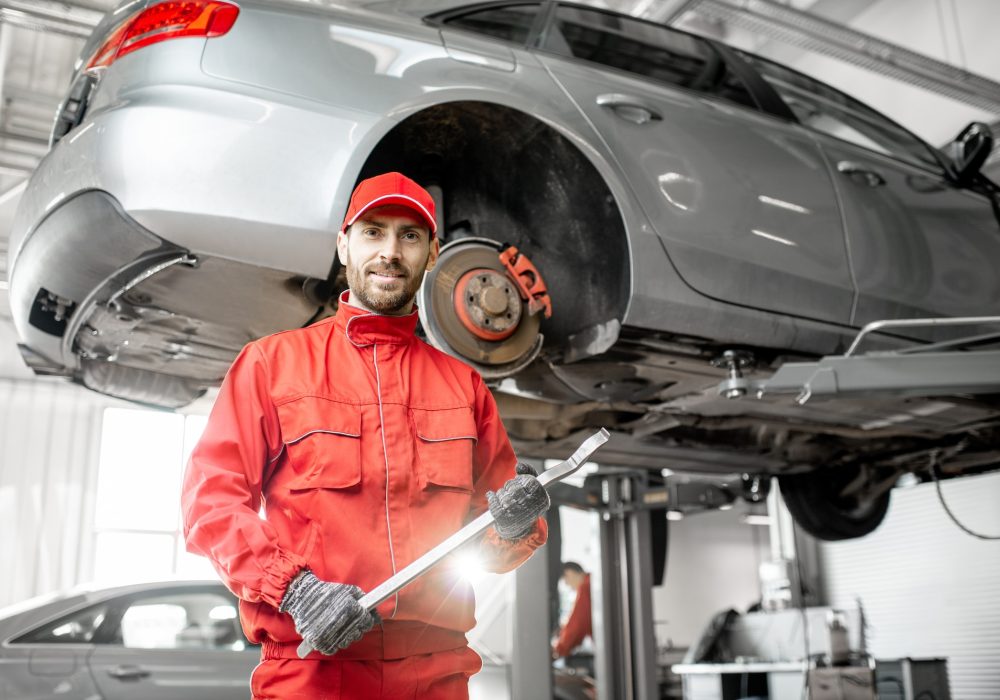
x=581, y=455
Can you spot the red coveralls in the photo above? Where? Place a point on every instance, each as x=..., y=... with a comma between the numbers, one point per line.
x=351, y=447
x=578, y=626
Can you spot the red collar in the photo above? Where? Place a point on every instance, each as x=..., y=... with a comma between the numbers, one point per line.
x=364, y=327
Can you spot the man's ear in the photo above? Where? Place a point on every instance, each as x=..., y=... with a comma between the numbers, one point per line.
x=432, y=257
x=342, y=239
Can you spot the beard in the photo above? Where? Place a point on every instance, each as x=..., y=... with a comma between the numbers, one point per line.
x=377, y=297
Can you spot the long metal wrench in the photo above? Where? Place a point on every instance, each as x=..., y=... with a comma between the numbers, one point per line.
x=419, y=566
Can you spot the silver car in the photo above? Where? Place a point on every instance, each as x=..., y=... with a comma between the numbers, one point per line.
x=164, y=640
x=631, y=215
x=156, y=641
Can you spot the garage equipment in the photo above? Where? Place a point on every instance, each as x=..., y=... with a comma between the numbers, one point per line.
x=912, y=679
x=629, y=502
x=478, y=526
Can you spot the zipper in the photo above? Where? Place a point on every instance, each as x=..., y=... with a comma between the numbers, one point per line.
x=385, y=454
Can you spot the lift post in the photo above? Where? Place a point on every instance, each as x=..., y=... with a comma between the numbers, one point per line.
x=622, y=582
x=625, y=645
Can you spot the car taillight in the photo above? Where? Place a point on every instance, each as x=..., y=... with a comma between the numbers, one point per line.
x=165, y=20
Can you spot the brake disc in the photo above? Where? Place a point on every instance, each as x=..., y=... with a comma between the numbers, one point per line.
x=470, y=308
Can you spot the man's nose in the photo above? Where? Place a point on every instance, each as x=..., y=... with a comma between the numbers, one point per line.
x=390, y=249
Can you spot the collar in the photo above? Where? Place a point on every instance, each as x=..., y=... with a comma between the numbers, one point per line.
x=364, y=327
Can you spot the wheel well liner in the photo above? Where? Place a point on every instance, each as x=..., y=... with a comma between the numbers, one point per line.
x=508, y=176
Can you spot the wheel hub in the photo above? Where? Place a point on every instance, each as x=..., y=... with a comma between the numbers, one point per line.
x=471, y=308
x=487, y=304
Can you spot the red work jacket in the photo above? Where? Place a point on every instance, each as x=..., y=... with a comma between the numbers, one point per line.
x=349, y=447
x=579, y=625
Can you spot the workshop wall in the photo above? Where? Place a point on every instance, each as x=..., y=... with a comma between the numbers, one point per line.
x=712, y=565
x=928, y=589
x=49, y=447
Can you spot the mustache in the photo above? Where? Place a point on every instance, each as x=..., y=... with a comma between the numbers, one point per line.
x=389, y=269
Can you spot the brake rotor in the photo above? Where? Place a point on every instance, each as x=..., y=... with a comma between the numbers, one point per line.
x=471, y=308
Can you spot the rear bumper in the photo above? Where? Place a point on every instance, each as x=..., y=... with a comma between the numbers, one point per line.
x=213, y=167
x=76, y=255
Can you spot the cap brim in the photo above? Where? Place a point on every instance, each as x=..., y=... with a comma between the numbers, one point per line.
x=398, y=200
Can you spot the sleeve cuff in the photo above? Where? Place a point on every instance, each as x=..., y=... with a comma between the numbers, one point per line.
x=284, y=567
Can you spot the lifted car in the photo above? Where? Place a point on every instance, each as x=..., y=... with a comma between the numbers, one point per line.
x=632, y=214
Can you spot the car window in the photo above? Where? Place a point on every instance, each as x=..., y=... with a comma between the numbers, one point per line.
x=202, y=620
x=511, y=22
x=646, y=49
x=830, y=111
x=77, y=628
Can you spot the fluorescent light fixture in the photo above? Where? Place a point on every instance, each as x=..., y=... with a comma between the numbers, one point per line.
x=757, y=519
x=675, y=515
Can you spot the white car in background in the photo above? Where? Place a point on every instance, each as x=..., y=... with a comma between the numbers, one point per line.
x=165, y=640
x=177, y=640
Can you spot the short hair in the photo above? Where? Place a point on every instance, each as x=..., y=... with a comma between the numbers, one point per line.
x=573, y=566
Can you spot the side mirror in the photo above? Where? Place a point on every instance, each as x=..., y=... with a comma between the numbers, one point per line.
x=969, y=151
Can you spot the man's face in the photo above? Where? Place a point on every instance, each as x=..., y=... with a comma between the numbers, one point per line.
x=573, y=578
x=386, y=253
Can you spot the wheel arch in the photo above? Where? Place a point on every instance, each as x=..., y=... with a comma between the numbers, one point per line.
x=511, y=176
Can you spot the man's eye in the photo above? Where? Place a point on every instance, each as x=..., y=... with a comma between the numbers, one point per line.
x=411, y=236
x=370, y=232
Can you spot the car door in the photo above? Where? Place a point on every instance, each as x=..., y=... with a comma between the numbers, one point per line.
x=175, y=643
x=920, y=245
x=49, y=660
x=742, y=201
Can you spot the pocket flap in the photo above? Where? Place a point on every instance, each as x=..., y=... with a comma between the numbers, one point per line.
x=323, y=442
x=445, y=439
x=307, y=415
x=445, y=424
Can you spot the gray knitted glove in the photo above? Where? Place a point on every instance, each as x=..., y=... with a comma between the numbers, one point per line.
x=516, y=505
x=327, y=615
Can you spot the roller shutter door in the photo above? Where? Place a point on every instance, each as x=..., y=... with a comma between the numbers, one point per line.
x=929, y=589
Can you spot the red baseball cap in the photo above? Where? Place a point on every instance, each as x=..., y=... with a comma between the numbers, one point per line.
x=386, y=189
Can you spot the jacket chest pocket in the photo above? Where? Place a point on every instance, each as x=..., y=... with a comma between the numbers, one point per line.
x=322, y=442
x=445, y=439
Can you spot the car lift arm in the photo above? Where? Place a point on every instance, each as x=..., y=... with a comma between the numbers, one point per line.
x=922, y=370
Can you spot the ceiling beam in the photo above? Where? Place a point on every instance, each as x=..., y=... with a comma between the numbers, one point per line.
x=64, y=18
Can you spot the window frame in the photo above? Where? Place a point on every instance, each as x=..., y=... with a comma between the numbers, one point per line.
x=19, y=639
x=943, y=168
x=768, y=100
x=125, y=603
x=115, y=608
x=441, y=19
x=765, y=100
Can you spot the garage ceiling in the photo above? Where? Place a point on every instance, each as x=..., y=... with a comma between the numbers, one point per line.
x=876, y=50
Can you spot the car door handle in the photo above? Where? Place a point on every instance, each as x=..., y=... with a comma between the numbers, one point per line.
x=870, y=177
x=629, y=108
x=128, y=673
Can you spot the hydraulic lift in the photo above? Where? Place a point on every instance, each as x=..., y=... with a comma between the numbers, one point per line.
x=621, y=584
x=957, y=366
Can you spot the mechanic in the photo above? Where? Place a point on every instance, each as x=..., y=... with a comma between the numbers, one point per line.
x=337, y=454
x=578, y=625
